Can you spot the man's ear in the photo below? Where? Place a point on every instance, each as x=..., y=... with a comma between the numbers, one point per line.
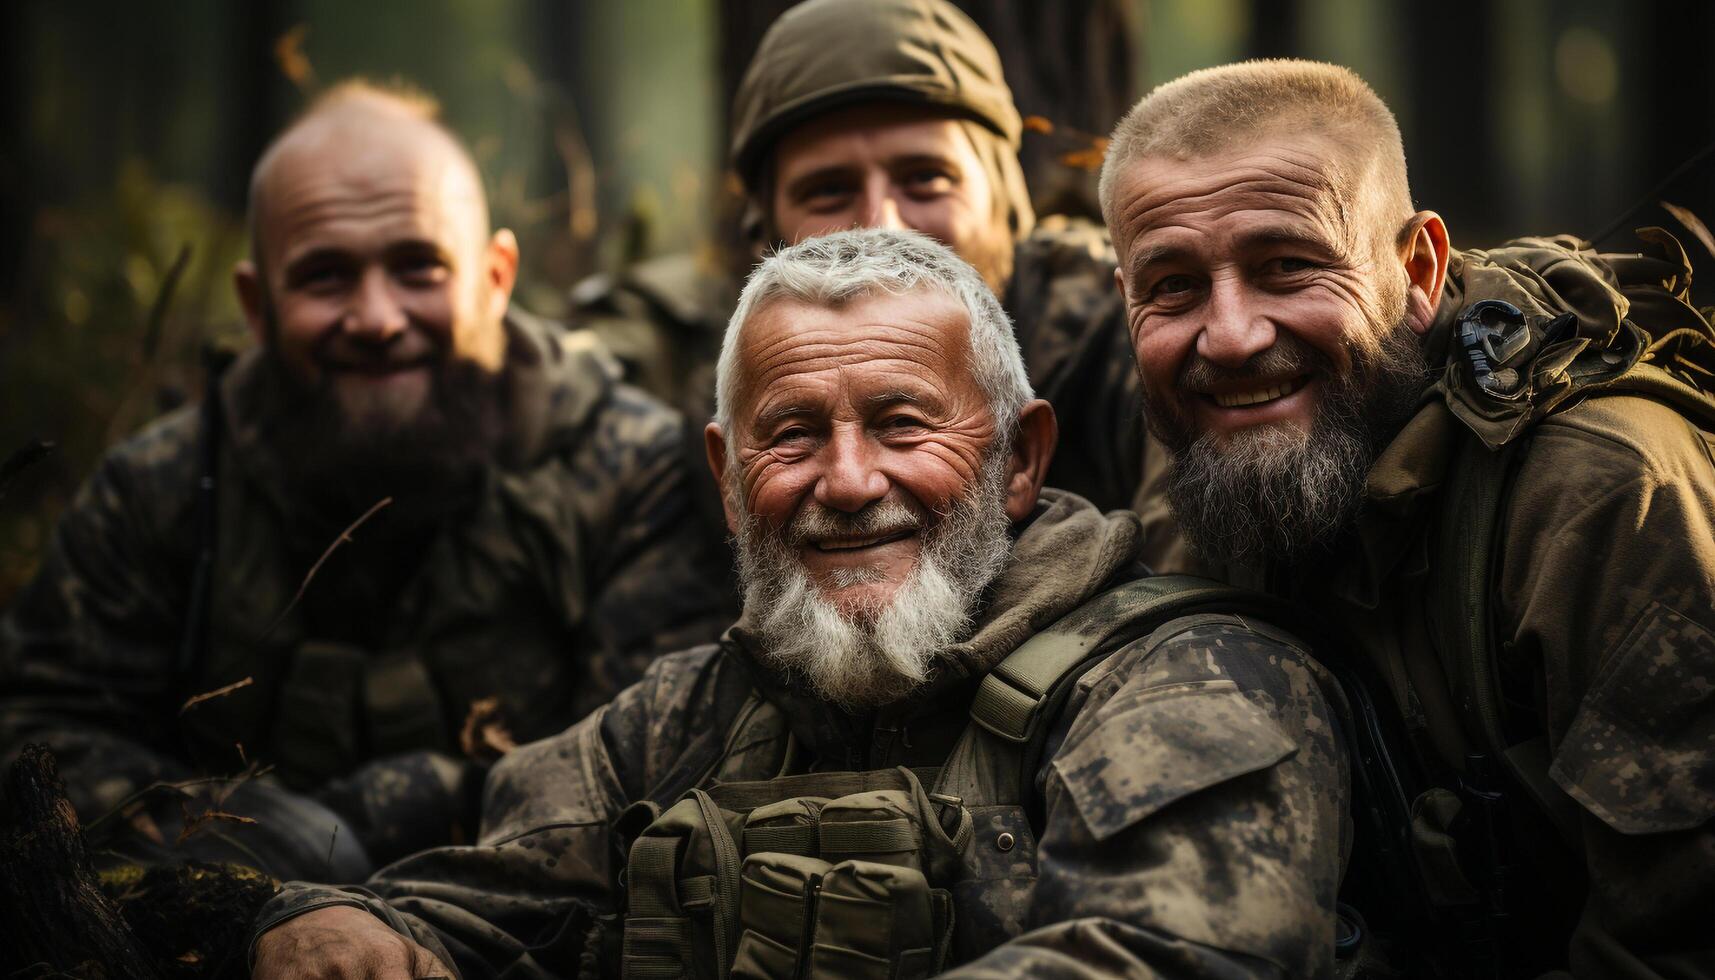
x=501, y=267
x=252, y=298
x=1423, y=251
x=714, y=444
x=1032, y=451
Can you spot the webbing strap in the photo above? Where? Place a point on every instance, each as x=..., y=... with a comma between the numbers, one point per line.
x=649, y=876
x=1009, y=695
x=746, y=796
x=799, y=839
x=870, y=837
x=1010, y=698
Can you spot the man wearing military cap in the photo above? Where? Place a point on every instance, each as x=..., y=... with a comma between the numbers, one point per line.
x=896, y=113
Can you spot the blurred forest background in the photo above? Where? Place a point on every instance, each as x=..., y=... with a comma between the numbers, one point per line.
x=600, y=127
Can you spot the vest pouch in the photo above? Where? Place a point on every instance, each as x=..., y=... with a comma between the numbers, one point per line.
x=778, y=895
x=786, y=827
x=877, y=922
x=682, y=878
x=402, y=708
x=879, y=826
x=315, y=735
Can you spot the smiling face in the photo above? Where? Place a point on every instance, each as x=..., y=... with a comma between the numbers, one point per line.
x=886, y=165
x=374, y=266
x=857, y=431
x=1275, y=321
x=1252, y=283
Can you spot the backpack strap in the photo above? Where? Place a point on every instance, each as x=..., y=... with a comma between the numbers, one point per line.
x=1020, y=699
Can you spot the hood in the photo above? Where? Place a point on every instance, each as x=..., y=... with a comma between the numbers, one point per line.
x=1063, y=554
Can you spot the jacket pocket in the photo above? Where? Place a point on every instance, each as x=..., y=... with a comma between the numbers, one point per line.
x=1177, y=740
x=1640, y=753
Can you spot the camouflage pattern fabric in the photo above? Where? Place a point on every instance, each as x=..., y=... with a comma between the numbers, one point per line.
x=574, y=565
x=1604, y=600
x=1071, y=327
x=1194, y=797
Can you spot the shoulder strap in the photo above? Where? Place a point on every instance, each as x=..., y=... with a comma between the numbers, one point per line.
x=1468, y=542
x=1018, y=702
x=1011, y=701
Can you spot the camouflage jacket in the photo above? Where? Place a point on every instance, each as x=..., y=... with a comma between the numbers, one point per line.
x=1194, y=799
x=665, y=318
x=1604, y=605
x=575, y=565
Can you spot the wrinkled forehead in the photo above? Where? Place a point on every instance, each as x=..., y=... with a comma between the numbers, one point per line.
x=1303, y=182
x=792, y=349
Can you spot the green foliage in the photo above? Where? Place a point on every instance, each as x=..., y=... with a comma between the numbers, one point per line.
x=78, y=358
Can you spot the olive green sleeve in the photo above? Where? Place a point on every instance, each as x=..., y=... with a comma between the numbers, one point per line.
x=1608, y=593
x=1196, y=821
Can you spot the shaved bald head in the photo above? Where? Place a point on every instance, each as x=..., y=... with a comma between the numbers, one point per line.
x=377, y=290
x=360, y=119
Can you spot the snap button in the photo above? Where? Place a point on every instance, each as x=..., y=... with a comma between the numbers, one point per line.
x=1004, y=842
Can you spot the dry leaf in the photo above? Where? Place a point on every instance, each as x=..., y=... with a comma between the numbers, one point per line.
x=485, y=736
x=289, y=55
x=1038, y=124
x=1693, y=223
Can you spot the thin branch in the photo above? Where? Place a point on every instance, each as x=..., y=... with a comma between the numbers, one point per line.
x=163, y=300
x=344, y=538
x=218, y=692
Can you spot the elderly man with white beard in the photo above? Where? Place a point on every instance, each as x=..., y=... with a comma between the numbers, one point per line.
x=951, y=731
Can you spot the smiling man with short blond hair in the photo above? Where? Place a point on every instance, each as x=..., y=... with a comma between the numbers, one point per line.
x=1492, y=469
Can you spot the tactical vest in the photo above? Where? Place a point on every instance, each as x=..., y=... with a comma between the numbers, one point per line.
x=890, y=873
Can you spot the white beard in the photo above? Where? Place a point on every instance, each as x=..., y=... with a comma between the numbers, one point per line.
x=878, y=655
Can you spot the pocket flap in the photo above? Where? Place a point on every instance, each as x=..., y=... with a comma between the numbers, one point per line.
x=1178, y=740
x=1640, y=753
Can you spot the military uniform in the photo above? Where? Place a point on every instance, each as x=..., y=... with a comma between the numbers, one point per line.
x=1193, y=798
x=1603, y=600
x=572, y=564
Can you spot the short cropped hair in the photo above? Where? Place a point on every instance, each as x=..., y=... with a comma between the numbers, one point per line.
x=1214, y=109
x=836, y=269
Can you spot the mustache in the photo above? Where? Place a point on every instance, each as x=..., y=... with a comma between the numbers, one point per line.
x=411, y=347
x=1287, y=357
x=884, y=517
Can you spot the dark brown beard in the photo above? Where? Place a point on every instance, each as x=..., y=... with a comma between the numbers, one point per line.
x=1273, y=494
x=426, y=463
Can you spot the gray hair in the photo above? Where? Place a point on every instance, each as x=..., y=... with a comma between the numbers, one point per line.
x=833, y=270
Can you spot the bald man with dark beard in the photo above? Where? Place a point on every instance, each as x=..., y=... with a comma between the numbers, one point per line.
x=524, y=548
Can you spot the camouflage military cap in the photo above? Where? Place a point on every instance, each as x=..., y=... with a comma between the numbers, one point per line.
x=827, y=54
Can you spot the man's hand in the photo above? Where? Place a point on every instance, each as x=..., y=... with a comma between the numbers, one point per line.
x=341, y=942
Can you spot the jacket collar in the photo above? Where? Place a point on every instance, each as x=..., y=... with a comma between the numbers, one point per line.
x=1063, y=554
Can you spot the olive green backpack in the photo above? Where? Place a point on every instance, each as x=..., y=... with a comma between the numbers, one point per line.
x=1542, y=325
